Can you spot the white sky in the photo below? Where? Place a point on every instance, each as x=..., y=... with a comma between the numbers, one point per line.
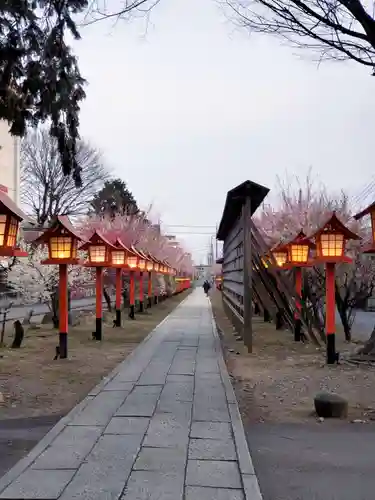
x=194, y=108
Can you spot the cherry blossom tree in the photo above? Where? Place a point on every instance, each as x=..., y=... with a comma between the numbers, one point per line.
x=307, y=205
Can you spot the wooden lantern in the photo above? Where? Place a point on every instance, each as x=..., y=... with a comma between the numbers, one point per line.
x=299, y=251
x=62, y=241
x=280, y=254
x=10, y=218
x=99, y=250
x=331, y=239
x=141, y=261
x=119, y=254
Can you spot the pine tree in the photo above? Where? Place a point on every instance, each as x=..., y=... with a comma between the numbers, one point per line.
x=114, y=198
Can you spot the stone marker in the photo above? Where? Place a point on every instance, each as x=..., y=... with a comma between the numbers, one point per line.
x=330, y=405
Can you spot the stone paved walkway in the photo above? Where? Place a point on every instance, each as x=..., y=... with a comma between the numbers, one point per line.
x=163, y=426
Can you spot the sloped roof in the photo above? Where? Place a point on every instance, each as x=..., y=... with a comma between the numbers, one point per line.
x=235, y=200
x=11, y=205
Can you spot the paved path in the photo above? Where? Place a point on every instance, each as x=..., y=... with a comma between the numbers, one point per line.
x=163, y=426
x=328, y=461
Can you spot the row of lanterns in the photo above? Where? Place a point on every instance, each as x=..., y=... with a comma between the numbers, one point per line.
x=62, y=242
x=328, y=243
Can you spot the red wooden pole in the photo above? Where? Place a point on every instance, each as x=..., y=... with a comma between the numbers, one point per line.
x=118, y=296
x=99, y=303
x=297, y=314
x=131, y=296
x=141, y=294
x=149, y=291
x=63, y=310
x=330, y=313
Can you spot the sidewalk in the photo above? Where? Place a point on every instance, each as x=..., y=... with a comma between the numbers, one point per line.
x=163, y=426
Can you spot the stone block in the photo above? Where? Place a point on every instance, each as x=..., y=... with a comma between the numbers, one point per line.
x=211, y=430
x=152, y=485
x=211, y=449
x=178, y=391
x=115, y=385
x=252, y=491
x=69, y=449
x=161, y=459
x=101, y=409
x=127, y=425
x=167, y=430
x=197, y=493
x=216, y=474
x=138, y=405
x=202, y=412
x=37, y=484
x=330, y=405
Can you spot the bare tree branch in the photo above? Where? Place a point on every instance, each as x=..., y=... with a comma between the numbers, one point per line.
x=45, y=190
x=336, y=29
x=99, y=11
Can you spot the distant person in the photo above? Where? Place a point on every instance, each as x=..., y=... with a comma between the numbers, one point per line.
x=206, y=287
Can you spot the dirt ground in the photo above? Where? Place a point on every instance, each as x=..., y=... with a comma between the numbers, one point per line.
x=278, y=381
x=32, y=384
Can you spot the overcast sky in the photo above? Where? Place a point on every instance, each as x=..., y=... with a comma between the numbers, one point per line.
x=194, y=108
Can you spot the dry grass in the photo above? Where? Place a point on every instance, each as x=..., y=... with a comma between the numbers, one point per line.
x=33, y=384
x=278, y=381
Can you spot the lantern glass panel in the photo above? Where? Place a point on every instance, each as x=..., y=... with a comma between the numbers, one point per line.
x=149, y=265
x=60, y=247
x=12, y=232
x=332, y=244
x=118, y=257
x=3, y=222
x=132, y=261
x=281, y=258
x=156, y=267
x=142, y=264
x=97, y=253
x=299, y=253
x=373, y=224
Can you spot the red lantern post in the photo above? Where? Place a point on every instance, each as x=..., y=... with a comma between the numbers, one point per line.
x=330, y=246
x=62, y=241
x=298, y=257
x=132, y=262
x=99, y=256
x=150, y=266
x=142, y=268
x=119, y=261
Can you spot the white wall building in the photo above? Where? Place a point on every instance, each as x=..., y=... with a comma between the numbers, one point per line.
x=9, y=163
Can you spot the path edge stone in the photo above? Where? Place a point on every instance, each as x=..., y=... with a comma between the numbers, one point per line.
x=245, y=462
x=52, y=434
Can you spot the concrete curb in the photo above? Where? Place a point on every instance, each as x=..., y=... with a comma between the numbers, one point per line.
x=51, y=435
x=249, y=478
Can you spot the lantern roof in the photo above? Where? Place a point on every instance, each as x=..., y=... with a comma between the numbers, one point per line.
x=121, y=246
x=301, y=239
x=366, y=211
x=60, y=224
x=10, y=206
x=334, y=225
x=97, y=239
x=279, y=247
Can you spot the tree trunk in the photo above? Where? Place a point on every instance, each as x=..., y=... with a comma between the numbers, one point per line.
x=55, y=308
x=107, y=299
x=369, y=347
x=18, y=334
x=343, y=309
